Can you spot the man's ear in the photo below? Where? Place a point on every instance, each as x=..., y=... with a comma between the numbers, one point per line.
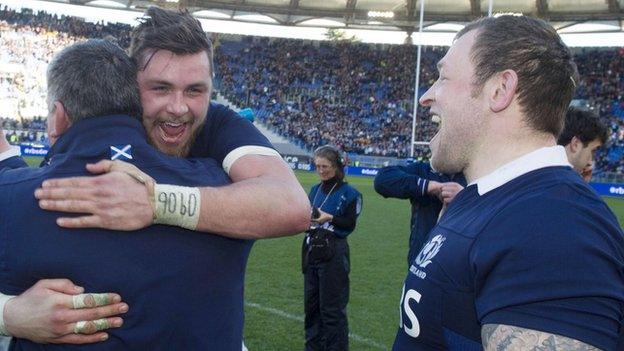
x=60, y=121
x=503, y=90
x=575, y=144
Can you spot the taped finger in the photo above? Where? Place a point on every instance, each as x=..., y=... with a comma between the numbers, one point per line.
x=90, y=327
x=83, y=327
x=101, y=324
x=90, y=300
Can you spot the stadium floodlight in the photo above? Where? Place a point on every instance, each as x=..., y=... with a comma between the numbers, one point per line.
x=380, y=14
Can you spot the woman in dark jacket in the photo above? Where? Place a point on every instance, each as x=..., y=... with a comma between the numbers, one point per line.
x=336, y=206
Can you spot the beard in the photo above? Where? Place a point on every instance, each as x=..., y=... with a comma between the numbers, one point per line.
x=447, y=154
x=182, y=150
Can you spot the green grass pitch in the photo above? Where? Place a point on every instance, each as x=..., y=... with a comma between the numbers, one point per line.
x=274, y=285
x=274, y=288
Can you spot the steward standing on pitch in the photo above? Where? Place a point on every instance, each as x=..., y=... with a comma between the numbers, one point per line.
x=325, y=254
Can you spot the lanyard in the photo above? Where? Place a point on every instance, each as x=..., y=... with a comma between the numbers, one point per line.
x=326, y=197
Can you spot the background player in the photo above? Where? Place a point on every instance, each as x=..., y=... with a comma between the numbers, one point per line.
x=582, y=135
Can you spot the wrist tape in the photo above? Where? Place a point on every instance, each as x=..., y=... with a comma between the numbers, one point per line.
x=3, y=301
x=177, y=205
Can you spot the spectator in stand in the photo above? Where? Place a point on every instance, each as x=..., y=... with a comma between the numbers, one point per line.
x=358, y=96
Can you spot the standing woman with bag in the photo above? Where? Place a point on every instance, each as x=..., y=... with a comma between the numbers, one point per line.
x=325, y=254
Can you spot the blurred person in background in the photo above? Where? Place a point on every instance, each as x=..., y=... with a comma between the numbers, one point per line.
x=583, y=134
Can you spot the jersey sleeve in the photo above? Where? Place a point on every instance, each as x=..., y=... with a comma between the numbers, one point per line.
x=555, y=266
x=11, y=159
x=403, y=182
x=13, y=163
x=226, y=137
x=347, y=220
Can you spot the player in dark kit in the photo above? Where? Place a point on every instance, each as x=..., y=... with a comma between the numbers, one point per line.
x=428, y=192
x=581, y=137
x=174, y=58
x=186, y=289
x=527, y=256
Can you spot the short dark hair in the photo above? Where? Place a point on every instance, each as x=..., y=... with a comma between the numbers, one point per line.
x=94, y=78
x=583, y=124
x=334, y=156
x=175, y=31
x=547, y=75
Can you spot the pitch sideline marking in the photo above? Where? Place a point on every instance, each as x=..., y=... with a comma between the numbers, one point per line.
x=287, y=315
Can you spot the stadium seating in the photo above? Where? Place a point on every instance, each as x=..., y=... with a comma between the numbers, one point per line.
x=357, y=96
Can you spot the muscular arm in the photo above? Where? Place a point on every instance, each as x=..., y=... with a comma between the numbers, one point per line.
x=501, y=337
x=265, y=200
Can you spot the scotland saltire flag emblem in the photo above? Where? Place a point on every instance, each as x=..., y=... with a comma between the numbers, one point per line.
x=121, y=152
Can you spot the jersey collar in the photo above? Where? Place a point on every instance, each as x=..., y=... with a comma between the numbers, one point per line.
x=550, y=156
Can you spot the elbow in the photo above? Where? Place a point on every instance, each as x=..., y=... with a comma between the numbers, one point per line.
x=299, y=211
x=293, y=217
x=379, y=187
x=301, y=216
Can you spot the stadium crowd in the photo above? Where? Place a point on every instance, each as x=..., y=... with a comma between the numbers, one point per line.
x=356, y=96
x=24, y=130
x=345, y=94
x=360, y=96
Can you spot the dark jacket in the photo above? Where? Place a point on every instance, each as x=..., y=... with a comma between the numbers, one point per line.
x=185, y=289
x=411, y=182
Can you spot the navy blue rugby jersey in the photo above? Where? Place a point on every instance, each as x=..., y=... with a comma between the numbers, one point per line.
x=226, y=136
x=539, y=250
x=185, y=289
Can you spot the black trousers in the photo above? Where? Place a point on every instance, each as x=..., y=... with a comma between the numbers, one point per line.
x=326, y=296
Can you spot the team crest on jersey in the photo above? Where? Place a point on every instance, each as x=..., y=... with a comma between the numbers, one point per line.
x=430, y=250
x=425, y=256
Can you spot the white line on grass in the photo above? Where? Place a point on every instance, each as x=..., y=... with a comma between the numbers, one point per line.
x=287, y=315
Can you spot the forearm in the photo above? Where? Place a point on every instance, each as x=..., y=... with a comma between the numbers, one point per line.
x=506, y=337
x=398, y=183
x=255, y=208
x=265, y=200
x=346, y=221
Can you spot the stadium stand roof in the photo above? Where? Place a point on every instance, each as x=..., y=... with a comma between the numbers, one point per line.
x=565, y=15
